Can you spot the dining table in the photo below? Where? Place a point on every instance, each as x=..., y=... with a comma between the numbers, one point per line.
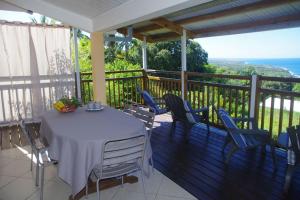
x=76, y=140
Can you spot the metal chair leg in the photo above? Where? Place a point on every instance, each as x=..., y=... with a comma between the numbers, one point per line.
x=98, y=191
x=31, y=159
x=143, y=182
x=152, y=164
x=42, y=182
x=87, y=189
x=37, y=173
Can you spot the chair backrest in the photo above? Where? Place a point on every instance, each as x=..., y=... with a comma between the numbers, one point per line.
x=226, y=119
x=230, y=126
x=143, y=115
x=294, y=134
x=149, y=101
x=35, y=143
x=176, y=105
x=121, y=152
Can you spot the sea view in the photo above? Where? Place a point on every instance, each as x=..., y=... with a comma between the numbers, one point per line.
x=291, y=64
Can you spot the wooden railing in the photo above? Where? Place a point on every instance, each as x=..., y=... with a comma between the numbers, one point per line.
x=277, y=109
x=120, y=87
x=231, y=92
x=205, y=90
x=18, y=94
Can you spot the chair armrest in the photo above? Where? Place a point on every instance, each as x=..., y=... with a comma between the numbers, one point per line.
x=249, y=132
x=159, y=101
x=204, y=109
x=243, y=119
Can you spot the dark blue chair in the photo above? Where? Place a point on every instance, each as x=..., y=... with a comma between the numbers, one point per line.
x=182, y=112
x=153, y=103
x=293, y=135
x=244, y=139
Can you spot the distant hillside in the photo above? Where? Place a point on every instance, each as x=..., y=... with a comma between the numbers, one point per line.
x=233, y=66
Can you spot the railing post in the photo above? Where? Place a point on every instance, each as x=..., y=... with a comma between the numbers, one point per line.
x=145, y=80
x=144, y=51
x=77, y=67
x=185, y=87
x=183, y=65
x=254, y=97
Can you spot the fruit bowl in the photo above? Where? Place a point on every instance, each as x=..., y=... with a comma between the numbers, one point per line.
x=65, y=104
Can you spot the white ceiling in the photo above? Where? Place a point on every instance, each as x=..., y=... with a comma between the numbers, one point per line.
x=104, y=15
x=88, y=8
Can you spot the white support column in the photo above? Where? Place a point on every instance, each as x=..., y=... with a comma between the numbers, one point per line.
x=253, y=95
x=183, y=61
x=77, y=67
x=144, y=50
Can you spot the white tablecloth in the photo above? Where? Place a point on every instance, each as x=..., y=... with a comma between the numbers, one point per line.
x=76, y=140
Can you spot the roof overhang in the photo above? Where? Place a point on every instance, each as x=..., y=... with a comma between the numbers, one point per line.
x=121, y=13
x=221, y=17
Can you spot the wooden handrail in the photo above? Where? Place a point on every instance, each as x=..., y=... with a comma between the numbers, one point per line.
x=227, y=76
x=280, y=79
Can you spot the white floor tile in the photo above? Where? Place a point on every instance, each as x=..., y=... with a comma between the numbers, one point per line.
x=4, y=180
x=16, y=168
x=163, y=197
x=17, y=182
x=107, y=194
x=123, y=194
x=15, y=153
x=54, y=189
x=18, y=189
x=5, y=160
x=50, y=173
x=170, y=188
x=151, y=184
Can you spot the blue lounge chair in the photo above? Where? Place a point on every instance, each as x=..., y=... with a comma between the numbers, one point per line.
x=183, y=112
x=153, y=103
x=244, y=139
x=293, y=135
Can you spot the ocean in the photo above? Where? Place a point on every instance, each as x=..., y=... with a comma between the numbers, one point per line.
x=291, y=64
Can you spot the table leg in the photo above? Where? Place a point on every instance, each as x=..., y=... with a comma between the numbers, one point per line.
x=105, y=184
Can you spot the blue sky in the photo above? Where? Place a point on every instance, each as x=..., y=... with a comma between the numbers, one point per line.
x=284, y=43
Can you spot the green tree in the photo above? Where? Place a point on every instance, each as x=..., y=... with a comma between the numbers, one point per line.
x=167, y=56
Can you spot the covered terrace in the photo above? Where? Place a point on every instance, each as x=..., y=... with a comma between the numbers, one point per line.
x=198, y=166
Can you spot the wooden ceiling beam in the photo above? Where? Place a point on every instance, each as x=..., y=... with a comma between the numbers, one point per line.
x=135, y=34
x=164, y=37
x=247, y=25
x=176, y=28
x=234, y=11
x=147, y=28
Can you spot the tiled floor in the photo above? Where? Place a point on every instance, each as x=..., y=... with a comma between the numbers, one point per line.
x=17, y=183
